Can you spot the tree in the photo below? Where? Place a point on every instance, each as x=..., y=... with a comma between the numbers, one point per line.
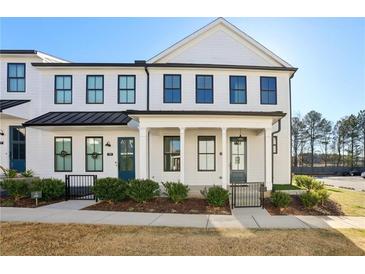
x=297, y=131
x=352, y=133
x=326, y=137
x=339, y=134
x=313, y=122
x=361, y=124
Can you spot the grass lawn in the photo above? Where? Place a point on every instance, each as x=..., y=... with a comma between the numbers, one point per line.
x=73, y=239
x=352, y=202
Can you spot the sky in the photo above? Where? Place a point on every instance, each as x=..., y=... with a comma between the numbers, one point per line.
x=328, y=52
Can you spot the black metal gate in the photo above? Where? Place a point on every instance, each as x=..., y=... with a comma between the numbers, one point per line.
x=247, y=194
x=79, y=187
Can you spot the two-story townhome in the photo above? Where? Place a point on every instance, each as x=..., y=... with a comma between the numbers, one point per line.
x=214, y=108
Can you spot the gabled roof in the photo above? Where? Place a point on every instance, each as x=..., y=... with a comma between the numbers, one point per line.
x=47, y=58
x=4, y=104
x=83, y=118
x=234, y=29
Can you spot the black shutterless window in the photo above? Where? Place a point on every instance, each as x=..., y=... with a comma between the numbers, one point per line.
x=94, y=153
x=204, y=89
x=16, y=77
x=171, y=153
x=63, y=89
x=127, y=89
x=268, y=90
x=63, y=154
x=172, y=88
x=237, y=86
x=95, y=89
x=206, y=153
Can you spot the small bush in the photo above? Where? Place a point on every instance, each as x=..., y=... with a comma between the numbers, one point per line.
x=281, y=199
x=51, y=188
x=10, y=173
x=215, y=195
x=323, y=195
x=177, y=192
x=28, y=173
x=308, y=183
x=142, y=190
x=110, y=189
x=16, y=189
x=310, y=199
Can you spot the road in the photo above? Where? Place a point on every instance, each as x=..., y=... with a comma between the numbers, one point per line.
x=355, y=182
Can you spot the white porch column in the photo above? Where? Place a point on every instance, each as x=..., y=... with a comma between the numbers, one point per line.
x=268, y=158
x=182, y=154
x=224, y=159
x=142, y=153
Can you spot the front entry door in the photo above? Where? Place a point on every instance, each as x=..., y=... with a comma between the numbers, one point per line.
x=17, y=148
x=238, y=160
x=126, y=159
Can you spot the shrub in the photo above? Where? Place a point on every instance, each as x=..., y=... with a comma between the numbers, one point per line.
x=16, y=189
x=142, y=190
x=280, y=199
x=110, y=189
x=310, y=199
x=10, y=173
x=28, y=173
x=215, y=195
x=177, y=192
x=51, y=188
x=308, y=183
x=323, y=195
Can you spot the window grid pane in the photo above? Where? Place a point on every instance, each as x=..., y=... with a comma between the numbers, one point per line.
x=171, y=153
x=16, y=77
x=63, y=89
x=238, y=89
x=127, y=89
x=94, y=154
x=63, y=154
x=95, y=89
x=206, y=153
x=268, y=90
x=204, y=89
x=172, y=88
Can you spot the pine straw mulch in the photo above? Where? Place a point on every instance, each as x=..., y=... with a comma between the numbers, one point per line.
x=296, y=207
x=163, y=205
x=26, y=202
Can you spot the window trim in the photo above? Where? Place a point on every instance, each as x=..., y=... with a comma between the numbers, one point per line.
x=215, y=153
x=275, y=144
x=230, y=90
x=55, y=88
x=163, y=151
x=8, y=79
x=119, y=89
x=54, y=154
x=164, y=97
x=102, y=154
x=87, y=90
x=276, y=90
x=196, y=88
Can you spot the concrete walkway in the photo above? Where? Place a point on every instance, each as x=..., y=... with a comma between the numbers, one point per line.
x=255, y=218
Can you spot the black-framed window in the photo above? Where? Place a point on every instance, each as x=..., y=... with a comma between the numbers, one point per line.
x=63, y=154
x=237, y=88
x=275, y=144
x=172, y=88
x=171, y=153
x=206, y=153
x=268, y=90
x=126, y=89
x=63, y=89
x=94, y=89
x=204, y=89
x=16, y=77
x=94, y=153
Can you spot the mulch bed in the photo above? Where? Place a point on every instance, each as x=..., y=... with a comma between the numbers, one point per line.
x=26, y=202
x=163, y=205
x=296, y=208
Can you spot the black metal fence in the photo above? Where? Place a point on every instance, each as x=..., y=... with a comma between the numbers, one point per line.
x=79, y=187
x=247, y=194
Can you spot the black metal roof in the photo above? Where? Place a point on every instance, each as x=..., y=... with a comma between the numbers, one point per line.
x=4, y=104
x=18, y=51
x=206, y=112
x=84, y=118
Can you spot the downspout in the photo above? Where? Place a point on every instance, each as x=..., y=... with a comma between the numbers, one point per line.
x=148, y=86
x=148, y=134
x=272, y=152
x=290, y=131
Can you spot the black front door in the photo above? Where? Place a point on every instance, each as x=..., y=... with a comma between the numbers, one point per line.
x=238, y=160
x=17, y=148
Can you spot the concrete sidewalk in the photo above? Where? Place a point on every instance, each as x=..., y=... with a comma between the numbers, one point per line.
x=241, y=218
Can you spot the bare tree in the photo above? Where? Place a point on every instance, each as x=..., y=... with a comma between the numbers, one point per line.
x=326, y=138
x=338, y=134
x=297, y=131
x=352, y=133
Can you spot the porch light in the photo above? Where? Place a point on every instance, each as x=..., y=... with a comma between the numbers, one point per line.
x=239, y=139
x=1, y=132
x=108, y=144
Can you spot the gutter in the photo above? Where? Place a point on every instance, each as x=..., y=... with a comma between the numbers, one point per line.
x=272, y=152
x=148, y=86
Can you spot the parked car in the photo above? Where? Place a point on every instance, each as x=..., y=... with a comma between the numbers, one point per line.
x=363, y=174
x=355, y=173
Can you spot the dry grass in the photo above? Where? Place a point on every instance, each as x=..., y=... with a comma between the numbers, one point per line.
x=73, y=239
x=352, y=202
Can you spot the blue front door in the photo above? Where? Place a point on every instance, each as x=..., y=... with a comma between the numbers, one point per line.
x=126, y=159
x=17, y=148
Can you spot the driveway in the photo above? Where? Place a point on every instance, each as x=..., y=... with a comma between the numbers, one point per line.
x=355, y=182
